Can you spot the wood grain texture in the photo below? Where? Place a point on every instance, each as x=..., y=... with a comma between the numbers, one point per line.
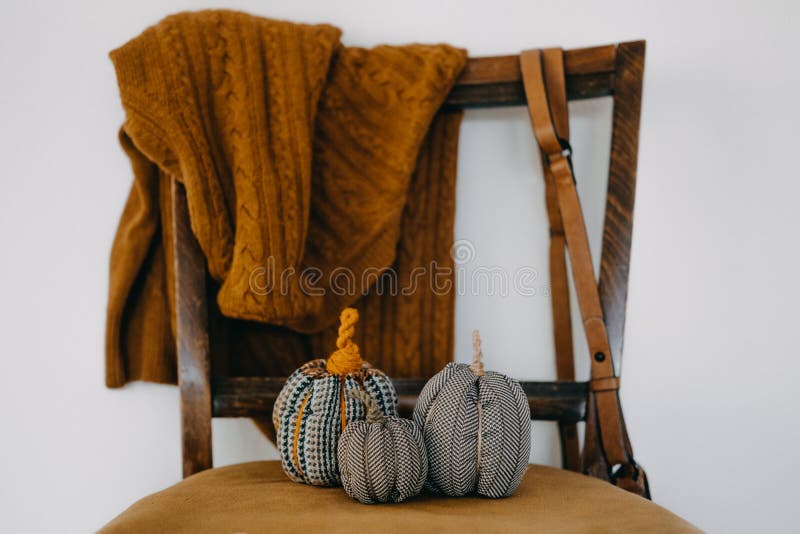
x=255, y=397
x=191, y=322
x=618, y=226
x=497, y=81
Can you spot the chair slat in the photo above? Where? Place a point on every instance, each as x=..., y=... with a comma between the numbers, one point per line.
x=497, y=81
x=255, y=397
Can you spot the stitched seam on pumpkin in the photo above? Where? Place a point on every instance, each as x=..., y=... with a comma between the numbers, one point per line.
x=297, y=426
x=393, y=491
x=480, y=433
x=367, y=476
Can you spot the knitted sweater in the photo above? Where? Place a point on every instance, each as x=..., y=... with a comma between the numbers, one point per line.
x=296, y=152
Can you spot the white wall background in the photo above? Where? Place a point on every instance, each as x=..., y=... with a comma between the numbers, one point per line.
x=711, y=359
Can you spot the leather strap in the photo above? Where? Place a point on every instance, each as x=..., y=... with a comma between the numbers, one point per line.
x=559, y=285
x=609, y=383
x=607, y=451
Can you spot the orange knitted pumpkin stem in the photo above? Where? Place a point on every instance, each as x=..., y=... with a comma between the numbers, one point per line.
x=347, y=359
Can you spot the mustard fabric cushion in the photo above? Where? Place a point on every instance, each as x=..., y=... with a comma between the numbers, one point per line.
x=257, y=497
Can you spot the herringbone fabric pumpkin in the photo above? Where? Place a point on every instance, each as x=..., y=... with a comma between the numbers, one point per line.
x=312, y=409
x=476, y=427
x=383, y=458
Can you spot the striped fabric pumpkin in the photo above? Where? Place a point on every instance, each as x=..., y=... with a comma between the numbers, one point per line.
x=477, y=430
x=383, y=458
x=312, y=409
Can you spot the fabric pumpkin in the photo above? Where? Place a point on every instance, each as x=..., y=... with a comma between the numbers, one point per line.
x=477, y=430
x=312, y=409
x=383, y=458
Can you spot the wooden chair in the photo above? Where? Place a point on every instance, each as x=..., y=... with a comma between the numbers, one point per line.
x=613, y=70
x=493, y=81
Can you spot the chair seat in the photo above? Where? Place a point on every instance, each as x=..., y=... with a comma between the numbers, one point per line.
x=257, y=497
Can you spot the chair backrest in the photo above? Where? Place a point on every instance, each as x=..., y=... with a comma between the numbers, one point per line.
x=613, y=70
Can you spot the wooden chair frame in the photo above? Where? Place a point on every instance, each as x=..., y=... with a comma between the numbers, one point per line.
x=613, y=70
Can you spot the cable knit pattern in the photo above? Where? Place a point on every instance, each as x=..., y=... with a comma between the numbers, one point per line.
x=295, y=152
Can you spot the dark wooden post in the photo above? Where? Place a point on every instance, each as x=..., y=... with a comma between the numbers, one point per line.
x=618, y=227
x=191, y=320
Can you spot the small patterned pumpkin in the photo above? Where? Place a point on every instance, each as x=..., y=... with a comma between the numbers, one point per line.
x=383, y=458
x=312, y=409
x=477, y=430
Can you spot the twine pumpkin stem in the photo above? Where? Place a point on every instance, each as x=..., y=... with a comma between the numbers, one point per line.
x=347, y=358
x=374, y=413
x=477, y=354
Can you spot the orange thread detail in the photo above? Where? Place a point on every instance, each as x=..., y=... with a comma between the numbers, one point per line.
x=297, y=432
